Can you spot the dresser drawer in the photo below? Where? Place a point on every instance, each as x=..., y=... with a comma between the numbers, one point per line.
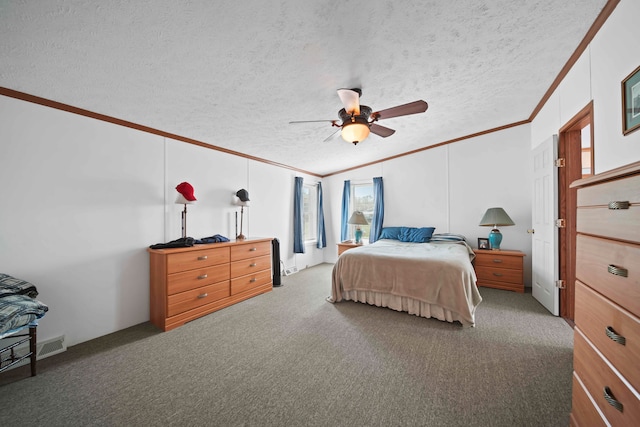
x=250, y=281
x=191, y=279
x=594, y=258
x=181, y=261
x=594, y=215
x=599, y=319
x=499, y=275
x=250, y=250
x=494, y=259
x=184, y=301
x=599, y=379
x=250, y=266
x=583, y=411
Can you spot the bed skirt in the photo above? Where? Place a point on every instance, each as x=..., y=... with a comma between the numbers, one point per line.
x=404, y=304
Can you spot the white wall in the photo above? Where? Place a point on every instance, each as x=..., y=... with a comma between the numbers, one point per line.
x=83, y=199
x=597, y=76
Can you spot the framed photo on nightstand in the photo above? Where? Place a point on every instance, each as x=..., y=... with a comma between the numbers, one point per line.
x=483, y=243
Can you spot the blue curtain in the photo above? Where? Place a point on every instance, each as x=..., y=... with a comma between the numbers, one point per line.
x=298, y=237
x=322, y=236
x=378, y=210
x=346, y=193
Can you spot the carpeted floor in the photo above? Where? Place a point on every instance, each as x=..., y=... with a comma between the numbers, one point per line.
x=289, y=358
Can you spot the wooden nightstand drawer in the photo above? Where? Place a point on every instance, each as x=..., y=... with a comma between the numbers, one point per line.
x=494, y=259
x=499, y=275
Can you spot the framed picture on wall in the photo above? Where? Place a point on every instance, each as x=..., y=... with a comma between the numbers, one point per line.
x=483, y=243
x=631, y=102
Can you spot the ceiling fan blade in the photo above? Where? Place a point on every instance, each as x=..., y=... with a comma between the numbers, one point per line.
x=351, y=100
x=401, y=110
x=381, y=130
x=313, y=121
x=332, y=136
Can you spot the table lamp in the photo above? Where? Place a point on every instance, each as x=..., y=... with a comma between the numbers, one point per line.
x=358, y=219
x=495, y=217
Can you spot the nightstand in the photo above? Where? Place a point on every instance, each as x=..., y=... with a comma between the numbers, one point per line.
x=500, y=269
x=344, y=246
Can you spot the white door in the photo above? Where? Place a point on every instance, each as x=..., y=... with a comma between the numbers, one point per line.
x=544, y=263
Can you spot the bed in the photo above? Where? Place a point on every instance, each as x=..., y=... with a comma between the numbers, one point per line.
x=19, y=314
x=432, y=278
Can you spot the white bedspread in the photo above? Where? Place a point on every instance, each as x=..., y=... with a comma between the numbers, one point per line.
x=427, y=279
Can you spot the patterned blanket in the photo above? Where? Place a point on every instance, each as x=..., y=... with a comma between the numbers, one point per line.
x=11, y=286
x=18, y=307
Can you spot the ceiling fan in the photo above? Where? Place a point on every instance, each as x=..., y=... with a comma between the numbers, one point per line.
x=356, y=121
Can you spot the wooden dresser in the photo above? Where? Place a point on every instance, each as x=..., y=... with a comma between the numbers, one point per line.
x=187, y=283
x=606, y=377
x=500, y=269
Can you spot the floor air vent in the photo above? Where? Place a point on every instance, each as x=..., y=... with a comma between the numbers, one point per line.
x=291, y=270
x=43, y=349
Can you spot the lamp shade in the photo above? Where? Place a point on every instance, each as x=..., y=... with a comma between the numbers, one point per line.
x=358, y=218
x=496, y=217
x=356, y=131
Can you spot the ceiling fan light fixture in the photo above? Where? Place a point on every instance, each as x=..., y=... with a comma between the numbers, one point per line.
x=355, y=131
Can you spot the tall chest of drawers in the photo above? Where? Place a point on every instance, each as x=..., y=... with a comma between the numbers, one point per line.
x=187, y=283
x=606, y=377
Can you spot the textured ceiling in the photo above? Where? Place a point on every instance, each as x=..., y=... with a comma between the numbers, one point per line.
x=233, y=74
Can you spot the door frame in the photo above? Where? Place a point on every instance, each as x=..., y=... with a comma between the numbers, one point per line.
x=570, y=148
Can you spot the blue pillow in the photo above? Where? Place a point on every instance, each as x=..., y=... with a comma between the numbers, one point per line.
x=390, y=233
x=416, y=235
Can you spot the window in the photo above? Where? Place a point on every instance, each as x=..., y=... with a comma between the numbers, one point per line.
x=362, y=200
x=310, y=212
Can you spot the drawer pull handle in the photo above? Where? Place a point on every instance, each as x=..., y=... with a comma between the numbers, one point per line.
x=497, y=274
x=615, y=337
x=253, y=249
x=618, y=271
x=253, y=264
x=252, y=280
x=611, y=400
x=203, y=296
x=202, y=258
x=204, y=276
x=618, y=205
x=497, y=261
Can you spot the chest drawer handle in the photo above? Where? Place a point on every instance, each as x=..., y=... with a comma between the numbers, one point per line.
x=498, y=261
x=618, y=271
x=203, y=296
x=611, y=400
x=204, y=276
x=497, y=274
x=252, y=280
x=253, y=264
x=615, y=337
x=253, y=249
x=618, y=205
x=202, y=258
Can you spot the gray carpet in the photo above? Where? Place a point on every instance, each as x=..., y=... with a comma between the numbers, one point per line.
x=289, y=358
